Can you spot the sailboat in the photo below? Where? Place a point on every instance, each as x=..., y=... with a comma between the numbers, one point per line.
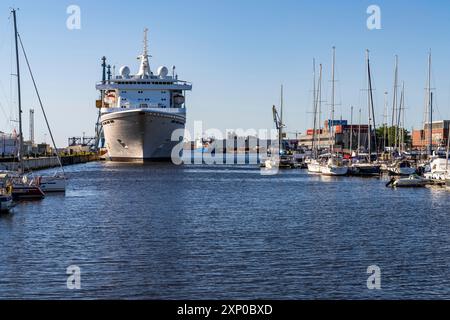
x=22, y=188
x=334, y=166
x=365, y=166
x=27, y=186
x=314, y=163
x=282, y=159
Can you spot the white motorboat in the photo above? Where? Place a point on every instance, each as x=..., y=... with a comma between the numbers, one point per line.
x=413, y=181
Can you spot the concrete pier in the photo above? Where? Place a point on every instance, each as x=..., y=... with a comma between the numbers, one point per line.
x=49, y=162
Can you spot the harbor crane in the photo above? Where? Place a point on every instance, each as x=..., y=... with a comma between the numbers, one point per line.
x=279, y=125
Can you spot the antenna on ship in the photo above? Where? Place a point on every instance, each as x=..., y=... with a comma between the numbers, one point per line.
x=103, y=69
x=144, y=69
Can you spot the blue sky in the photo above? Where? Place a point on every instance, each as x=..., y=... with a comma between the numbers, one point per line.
x=236, y=54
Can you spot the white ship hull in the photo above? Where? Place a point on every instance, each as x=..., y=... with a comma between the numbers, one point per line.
x=142, y=134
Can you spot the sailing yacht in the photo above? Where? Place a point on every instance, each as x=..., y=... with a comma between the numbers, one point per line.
x=334, y=166
x=314, y=165
x=54, y=183
x=361, y=166
x=24, y=186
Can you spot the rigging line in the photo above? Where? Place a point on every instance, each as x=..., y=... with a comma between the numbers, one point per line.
x=4, y=112
x=40, y=103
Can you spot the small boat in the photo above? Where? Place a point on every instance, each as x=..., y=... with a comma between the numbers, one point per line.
x=55, y=183
x=24, y=189
x=362, y=167
x=6, y=200
x=281, y=162
x=413, y=181
x=271, y=163
x=401, y=168
x=436, y=169
x=314, y=166
x=333, y=167
x=27, y=192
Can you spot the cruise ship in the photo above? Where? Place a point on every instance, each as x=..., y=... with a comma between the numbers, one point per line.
x=139, y=112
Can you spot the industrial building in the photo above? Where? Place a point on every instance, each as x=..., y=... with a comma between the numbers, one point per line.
x=8, y=144
x=344, y=135
x=440, y=134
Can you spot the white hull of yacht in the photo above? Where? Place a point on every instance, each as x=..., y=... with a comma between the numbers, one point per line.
x=142, y=134
x=332, y=170
x=314, y=167
x=403, y=171
x=53, y=184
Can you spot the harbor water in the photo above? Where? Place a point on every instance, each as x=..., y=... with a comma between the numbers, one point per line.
x=160, y=231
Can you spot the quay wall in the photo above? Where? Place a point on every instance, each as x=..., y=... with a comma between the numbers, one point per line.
x=41, y=163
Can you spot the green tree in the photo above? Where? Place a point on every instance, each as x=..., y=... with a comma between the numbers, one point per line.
x=389, y=134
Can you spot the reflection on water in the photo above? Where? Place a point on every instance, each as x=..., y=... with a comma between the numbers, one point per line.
x=163, y=231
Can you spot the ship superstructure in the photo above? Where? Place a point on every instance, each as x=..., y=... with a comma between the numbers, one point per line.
x=139, y=112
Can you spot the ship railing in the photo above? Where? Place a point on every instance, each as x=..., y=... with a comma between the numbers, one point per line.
x=136, y=81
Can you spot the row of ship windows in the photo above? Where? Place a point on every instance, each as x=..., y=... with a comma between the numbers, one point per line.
x=159, y=83
x=162, y=92
x=107, y=122
x=144, y=105
x=146, y=99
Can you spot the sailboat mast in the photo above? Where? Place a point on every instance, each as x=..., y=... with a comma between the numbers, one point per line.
x=314, y=107
x=319, y=107
x=369, y=130
x=280, y=133
x=385, y=136
x=430, y=107
x=19, y=95
x=448, y=149
x=359, y=132
x=400, y=117
x=351, y=131
x=371, y=114
x=403, y=120
x=394, y=103
x=332, y=102
x=397, y=136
